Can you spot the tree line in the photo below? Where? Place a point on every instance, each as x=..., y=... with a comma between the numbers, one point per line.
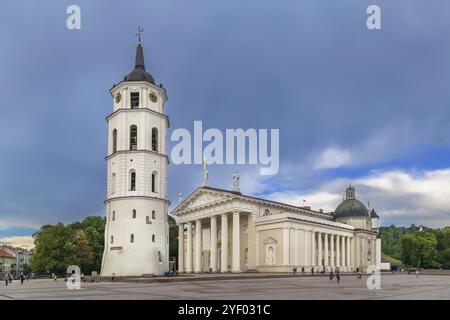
x=417, y=246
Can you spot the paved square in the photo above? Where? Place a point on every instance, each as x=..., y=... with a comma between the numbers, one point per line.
x=393, y=287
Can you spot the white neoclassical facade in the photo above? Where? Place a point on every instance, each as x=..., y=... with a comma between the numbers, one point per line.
x=136, y=233
x=226, y=231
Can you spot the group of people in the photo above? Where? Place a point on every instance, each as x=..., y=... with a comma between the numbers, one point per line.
x=333, y=273
x=9, y=279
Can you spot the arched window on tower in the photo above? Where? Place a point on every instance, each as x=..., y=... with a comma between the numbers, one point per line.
x=113, y=183
x=133, y=137
x=155, y=139
x=134, y=213
x=114, y=141
x=132, y=180
x=154, y=177
x=153, y=238
x=132, y=237
x=153, y=214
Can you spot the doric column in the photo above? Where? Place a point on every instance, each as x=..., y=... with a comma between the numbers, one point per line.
x=213, y=255
x=313, y=248
x=189, y=247
x=251, y=245
x=326, y=253
x=356, y=245
x=352, y=253
x=342, y=252
x=338, y=251
x=224, y=244
x=286, y=246
x=296, y=247
x=236, y=266
x=236, y=263
x=198, y=246
x=181, y=248
x=332, y=250
x=319, y=252
x=348, y=253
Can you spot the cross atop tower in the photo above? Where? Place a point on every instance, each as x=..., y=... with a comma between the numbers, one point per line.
x=139, y=35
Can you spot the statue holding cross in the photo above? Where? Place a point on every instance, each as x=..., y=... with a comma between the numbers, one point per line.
x=139, y=34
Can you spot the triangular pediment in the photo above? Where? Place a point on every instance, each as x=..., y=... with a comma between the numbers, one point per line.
x=202, y=198
x=270, y=240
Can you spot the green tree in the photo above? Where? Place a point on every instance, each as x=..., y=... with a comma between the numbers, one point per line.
x=54, y=250
x=173, y=239
x=59, y=246
x=420, y=249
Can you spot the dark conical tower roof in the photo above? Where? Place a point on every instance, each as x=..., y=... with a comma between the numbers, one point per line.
x=139, y=73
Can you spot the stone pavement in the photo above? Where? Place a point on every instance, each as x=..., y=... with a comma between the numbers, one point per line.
x=393, y=287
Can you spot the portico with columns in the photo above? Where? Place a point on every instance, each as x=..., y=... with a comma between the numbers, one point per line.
x=225, y=231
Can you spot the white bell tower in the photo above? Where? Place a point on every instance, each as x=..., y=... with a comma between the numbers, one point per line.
x=137, y=232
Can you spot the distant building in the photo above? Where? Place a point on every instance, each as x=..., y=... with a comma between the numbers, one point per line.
x=7, y=261
x=21, y=258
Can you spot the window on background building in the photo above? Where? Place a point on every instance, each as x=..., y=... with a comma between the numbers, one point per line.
x=114, y=138
x=134, y=98
x=132, y=237
x=113, y=183
x=154, y=139
x=113, y=215
x=153, y=214
x=132, y=180
x=153, y=238
x=134, y=213
x=133, y=137
x=159, y=256
x=154, y=176
x=112, y=239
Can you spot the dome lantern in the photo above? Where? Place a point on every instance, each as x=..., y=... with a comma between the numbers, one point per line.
x=351, y=207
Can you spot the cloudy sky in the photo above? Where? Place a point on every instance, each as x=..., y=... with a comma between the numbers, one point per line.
x=353, y=104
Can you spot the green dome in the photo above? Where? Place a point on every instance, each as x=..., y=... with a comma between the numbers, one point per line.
x=351, y=208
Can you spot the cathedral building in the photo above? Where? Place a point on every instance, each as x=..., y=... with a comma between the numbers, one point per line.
x=219, y=230
x=226, y=231
x=136, y=235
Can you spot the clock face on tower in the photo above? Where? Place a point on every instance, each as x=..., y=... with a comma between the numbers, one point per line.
x=153, y=97
x=118, y=97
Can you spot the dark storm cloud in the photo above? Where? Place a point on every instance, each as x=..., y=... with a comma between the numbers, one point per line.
x=310, y=68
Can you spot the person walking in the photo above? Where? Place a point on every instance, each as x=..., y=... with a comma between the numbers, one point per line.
x=312, y=271
x=294, y=270
x=22, y=278
x=331, y=275
x=6, y=280
x=417, y=273
x=303, y=271
x=338, y=277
